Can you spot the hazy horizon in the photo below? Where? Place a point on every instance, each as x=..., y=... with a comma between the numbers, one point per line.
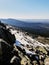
x=24, y=9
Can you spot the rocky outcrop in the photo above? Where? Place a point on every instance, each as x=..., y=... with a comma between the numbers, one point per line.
x=6, y=41
x=20, y=54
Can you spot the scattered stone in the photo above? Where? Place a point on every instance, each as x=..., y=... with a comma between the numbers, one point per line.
x=30, y=53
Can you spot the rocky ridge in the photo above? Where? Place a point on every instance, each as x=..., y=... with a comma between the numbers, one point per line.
x=24, y=50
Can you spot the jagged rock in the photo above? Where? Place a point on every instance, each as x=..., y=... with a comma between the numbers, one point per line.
x=6, y=42
x=15, y=60
x=27, y=53
x=7, y=36
x=2, y=25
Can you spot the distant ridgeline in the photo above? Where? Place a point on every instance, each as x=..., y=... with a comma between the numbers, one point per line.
x=43, y=32
x=37, y=28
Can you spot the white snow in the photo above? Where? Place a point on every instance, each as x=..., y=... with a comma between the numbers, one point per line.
x=21, y=38
x=29, y=52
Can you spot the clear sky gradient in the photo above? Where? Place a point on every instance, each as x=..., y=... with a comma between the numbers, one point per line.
x=24, y=9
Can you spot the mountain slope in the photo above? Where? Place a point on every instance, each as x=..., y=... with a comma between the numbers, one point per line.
x=38, y=27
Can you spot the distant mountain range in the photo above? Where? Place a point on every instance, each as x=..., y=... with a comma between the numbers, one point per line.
x=38, y=26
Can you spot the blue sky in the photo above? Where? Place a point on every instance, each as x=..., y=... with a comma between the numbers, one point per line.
x=24, y=9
